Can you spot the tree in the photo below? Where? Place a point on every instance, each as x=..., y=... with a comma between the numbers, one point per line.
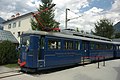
x=104, y=28
x=77, y=29
x=87, y=32
x=82, y=31
x=8, y=52
x=45, y=17
x=117, y=35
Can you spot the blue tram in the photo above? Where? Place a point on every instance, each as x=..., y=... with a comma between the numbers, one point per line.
x=44, y=50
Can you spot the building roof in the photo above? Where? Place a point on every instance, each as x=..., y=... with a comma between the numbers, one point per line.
x=7, y=35
x=21, y=16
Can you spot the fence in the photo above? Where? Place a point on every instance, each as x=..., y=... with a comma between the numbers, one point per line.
x=98, y=58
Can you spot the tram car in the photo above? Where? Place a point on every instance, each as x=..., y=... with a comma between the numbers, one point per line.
x=41, y=50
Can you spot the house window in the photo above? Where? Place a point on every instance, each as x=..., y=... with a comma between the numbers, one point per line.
x=13, y=32
x=14, y=24
x=19, y=23
x=9, y=26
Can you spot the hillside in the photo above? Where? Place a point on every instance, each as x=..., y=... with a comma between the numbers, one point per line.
x=1, y=20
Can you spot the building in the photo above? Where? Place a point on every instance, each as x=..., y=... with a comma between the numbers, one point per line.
x=18, y=23
x=7, y=35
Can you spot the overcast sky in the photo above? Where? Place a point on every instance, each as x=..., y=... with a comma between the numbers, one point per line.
x=89, y=10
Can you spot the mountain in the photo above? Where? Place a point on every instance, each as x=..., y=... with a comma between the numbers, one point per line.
x=1, y=20
x=117, y=27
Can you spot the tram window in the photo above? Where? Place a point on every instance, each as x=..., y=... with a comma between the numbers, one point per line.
x=99, y=46
x=92, y=45
x=118, y=47
x=103, y=47
x=69, y=45
x=77, y=45
x=42, y=42
x=109, y=47
x=84, y=45
x=54, y=44
x=26, y=41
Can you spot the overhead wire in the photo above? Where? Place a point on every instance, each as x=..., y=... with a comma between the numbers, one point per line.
x=70, y=14
x=75, y=14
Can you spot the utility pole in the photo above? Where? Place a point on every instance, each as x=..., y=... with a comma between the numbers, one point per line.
x=66, y=20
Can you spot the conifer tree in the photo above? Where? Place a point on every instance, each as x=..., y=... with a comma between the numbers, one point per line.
x=45, y=17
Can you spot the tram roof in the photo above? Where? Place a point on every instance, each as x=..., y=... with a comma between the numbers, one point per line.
x=58, y=34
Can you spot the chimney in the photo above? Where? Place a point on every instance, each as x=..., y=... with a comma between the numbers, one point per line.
x=13, y=16
x=18, y=14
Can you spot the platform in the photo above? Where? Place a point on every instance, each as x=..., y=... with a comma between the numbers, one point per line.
x=88, y=72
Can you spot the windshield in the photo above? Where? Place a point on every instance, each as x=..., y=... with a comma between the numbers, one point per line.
x=25, y=41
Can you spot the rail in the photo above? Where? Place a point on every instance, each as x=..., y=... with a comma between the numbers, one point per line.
x=10, y=74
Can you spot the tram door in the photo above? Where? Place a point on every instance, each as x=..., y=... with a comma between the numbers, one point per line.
x=34, y=50
x=29, y=50
x=85, y=48
x=25, y=43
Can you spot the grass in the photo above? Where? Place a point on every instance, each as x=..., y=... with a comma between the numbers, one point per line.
x=15, y=65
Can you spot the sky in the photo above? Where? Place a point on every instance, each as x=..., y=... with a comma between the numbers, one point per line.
x=88, y=11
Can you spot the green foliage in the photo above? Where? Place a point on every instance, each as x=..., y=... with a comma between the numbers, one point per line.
x=117, y=35
x=12, y=65
x=46, y=18
x=82, y=31
x=7, y=52
x=77, y=29
x=104, y=28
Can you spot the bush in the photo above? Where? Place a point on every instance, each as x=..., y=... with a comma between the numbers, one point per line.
x=8, y=52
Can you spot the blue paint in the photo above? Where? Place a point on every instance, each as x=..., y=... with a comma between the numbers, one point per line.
x=51, y=58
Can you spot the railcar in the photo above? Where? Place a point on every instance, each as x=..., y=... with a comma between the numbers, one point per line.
x=44, y=50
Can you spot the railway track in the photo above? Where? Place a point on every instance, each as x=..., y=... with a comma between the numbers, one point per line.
x=10, y=74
